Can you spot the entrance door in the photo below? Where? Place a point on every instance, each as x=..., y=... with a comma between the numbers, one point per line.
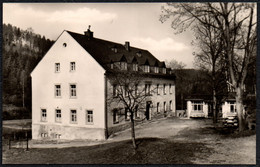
x=147, y=113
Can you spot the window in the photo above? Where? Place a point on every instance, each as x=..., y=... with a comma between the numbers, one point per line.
x=57, y=91
x=170, y=103
x=146, y=68
x=72, y=66
x=115, y=92
x=73, y=90
x=156, y=69
x=127, y=114
x=89, y=116
x=114, y=49
x=164, y=89
x=197, y=106
x=233, y=107
x=158, y=107
x=123, y=65
x=147, y=89
x=57, y=67
x=73, y=116
x=170, y=88
x=115, y=116
x=135, y=67
x=158, y=89
x=136, y=89
x=43, y=115
x=164, y=106
x=112, y=65
x=58, y=115
x=164, y=70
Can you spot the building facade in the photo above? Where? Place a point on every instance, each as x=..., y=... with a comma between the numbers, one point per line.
x=71, y=87
x=197, y=108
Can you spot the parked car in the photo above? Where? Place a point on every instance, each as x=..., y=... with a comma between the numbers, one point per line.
x=230, y=121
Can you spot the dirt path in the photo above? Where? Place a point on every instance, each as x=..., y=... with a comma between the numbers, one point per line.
x=225, y=149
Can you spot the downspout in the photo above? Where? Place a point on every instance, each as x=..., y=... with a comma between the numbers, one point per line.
x=106, y=127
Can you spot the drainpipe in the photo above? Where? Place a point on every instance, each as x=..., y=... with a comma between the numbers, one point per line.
x=106, y=127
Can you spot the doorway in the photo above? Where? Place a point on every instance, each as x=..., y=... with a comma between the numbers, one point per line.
x=147, y=112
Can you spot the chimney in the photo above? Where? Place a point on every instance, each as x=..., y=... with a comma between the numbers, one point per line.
x=127, y=46
x=88, y=33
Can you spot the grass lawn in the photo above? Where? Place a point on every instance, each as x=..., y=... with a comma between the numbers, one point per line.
x=150, y=151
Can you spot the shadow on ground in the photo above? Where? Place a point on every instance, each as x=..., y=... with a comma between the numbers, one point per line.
x=150, y=151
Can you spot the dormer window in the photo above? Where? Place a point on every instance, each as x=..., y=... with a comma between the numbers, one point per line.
x=156, y=69
x=146, y=68
x=164, y=70
x=123, y=65
x=114, y=49
x=139, y=54
x=135, y=67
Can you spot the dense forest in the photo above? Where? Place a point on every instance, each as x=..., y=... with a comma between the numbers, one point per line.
x=21, y=52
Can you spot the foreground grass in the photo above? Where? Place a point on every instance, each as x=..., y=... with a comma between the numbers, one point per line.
x=150, y=151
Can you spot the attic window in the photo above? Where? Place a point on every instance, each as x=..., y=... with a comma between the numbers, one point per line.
x=146, y=68
x=64, y=44
x=123, y=65
x=164, y=70
x=156, y=69
x=114, y=49
x=139, y=54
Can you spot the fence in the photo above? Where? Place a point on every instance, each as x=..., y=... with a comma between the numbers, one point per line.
x=17, y=139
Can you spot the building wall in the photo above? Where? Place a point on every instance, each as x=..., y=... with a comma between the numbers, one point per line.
x=226, y=109
x=154, y=98
x=89, y=80
x=191, y=113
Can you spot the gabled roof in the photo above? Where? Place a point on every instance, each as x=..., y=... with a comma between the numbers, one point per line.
x=101, y=51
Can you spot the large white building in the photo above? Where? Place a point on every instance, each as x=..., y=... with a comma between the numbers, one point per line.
x=70, y=87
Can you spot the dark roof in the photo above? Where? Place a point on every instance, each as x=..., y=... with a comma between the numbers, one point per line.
x=102, y=52
x=199, y=97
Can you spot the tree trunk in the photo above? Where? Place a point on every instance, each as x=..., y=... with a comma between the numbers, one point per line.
x=23, y=93
x=133, y=130
x=239, y=108
x=215, y=117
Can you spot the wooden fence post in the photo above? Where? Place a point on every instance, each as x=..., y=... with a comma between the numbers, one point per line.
x=9, y=143
x=27, y=148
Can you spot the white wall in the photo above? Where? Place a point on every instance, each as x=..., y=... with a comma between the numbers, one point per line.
x=191, y=113
x=226, y=109
x=89, y=78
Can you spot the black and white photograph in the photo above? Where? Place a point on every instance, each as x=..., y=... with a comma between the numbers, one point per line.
x=129, y=83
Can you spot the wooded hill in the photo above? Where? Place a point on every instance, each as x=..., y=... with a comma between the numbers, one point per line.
x=22, y=50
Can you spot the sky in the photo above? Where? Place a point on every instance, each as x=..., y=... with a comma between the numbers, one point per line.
x=137, y=23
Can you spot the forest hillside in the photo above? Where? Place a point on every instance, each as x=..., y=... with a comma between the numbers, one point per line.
x=21, y=52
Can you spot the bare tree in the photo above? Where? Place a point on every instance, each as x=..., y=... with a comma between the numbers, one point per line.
x=129, y=90
x=236, y=23
x=174, y=64
x=210, y=56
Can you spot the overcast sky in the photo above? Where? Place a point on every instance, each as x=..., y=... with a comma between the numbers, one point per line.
x=137, y=23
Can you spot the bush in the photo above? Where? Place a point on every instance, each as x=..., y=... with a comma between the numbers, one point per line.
x=17, y=113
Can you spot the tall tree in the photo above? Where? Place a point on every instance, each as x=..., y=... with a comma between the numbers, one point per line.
x=130, y=91
x=236, y=22
x=210, y=56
